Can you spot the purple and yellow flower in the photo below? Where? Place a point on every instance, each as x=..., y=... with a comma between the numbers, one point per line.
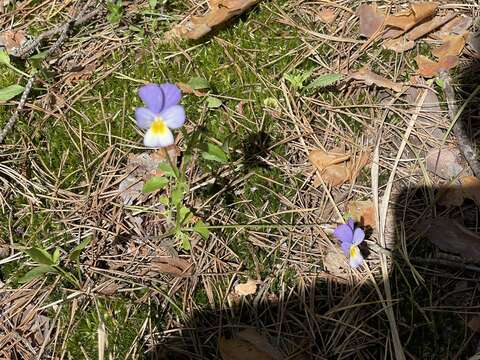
x=161, y=113
x=350, y=237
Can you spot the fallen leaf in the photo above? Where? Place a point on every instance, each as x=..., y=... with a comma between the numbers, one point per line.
x=327, y=15
x=399, y=44
x=336, y=168
x=451, y=196
x=370, y=78
x=248, y=345
x=474, y=42
x=80, y=73
x=172, y=265
x=130, y=189
x=453, y=45
x=428, y=68
x=371, y=19
x=458, y=26
x=449, y=235
x=220, y=11
x=474, y=324
x=362, y=212
x=187, y=89
x=428, y=26
x=406, y=20
x=12, y=40
x=443, y=163
x=471, y=188
x=248, y=288
x=467, y=187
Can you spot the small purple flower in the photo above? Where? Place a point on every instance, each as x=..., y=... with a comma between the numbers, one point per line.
x=162, y=113
x=350, y=238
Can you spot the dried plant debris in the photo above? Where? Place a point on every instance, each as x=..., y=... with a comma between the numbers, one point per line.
x=12, y=40
x=370, y=78
x=429, y=68
x=453, y=45
x=467, y=187
x=406, y=20
x=327, y=15
x=428, y=26
x=371, y=19
x=248, y=344
x=247, y=288
x=458, y=26
x=220, y=12
x=336, y=168
x=451, y=236
x=443, y=163
x=362, y=212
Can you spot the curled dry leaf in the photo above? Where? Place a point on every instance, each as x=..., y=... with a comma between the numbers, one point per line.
x=362, y=212
x=406, y=20
x=399, y=44
x=453, y=45
x=248, y=345
x=458, y=26
x=451, y=236
x=337, y=168
x=187, y=89
x=171, y=265
x=428, y=26
x=248, y=288
x=371, y=19
x=467, y=187
x=370, y=78
x=443, y=163
x=220, y=11
x=474, y=42
x=327, y=15
x=428, y=68
x=12, y=40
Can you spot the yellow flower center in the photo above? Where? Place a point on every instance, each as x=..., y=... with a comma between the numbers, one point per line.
x=353, y=251
x=159, y=127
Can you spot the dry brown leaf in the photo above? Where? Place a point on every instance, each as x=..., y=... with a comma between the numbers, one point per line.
x=362, y=212
x=449, y=235
x=406, y=20
x=172, y=265
x=220, y=11
x=327, y=15
x=474, y=42
x=399, y=44
x=12, y=40
x=474, y=324
x=467, y=187
x=371, y=19
x=451, y=196
x=458, y=26
x=248, y=345
x=248, y=288
x=187, y=89
x=428, y=26
x=471, y=188
x=336, y=168
x=453, y=45
x=335, y=263
x=370, y=78
x=443, y=163
x=428, y=68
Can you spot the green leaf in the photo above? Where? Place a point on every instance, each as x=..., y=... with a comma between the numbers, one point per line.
x=56, y=256
x=440, y=83
x=167, y=169
x=164, y=200
x=177, y=193
x=10, y=92
x=213, y=102
x=155, y=183
x=296, y=79
x=41, y=256
x=215, y=153
x=198, y=83
x=40, y=56
x=202, y=229
x=4, y=58
x=185, y=240
x=184, y=215
x=77, y=250
x=152, y=3
x=324, y=80
x=36, y=272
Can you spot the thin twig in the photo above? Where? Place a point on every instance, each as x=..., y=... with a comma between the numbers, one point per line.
x=64, y=29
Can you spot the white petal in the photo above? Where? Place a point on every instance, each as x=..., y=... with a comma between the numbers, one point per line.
x=156, y=140
x=356, y=258
x=174, y=116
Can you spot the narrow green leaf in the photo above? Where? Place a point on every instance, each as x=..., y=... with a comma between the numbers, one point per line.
x=177, y=192
x=56, y=256
x=184, y=214
x=4, y=58
x=202, y=229
x=155, y=183
x=36, y=272
x=185, y=240
x=213, y=102
x=77, y=250
x=324, y=80
x=10, y=92
x=167, y=169
x=41, y=256
x=198, y=83
x=215, y=153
